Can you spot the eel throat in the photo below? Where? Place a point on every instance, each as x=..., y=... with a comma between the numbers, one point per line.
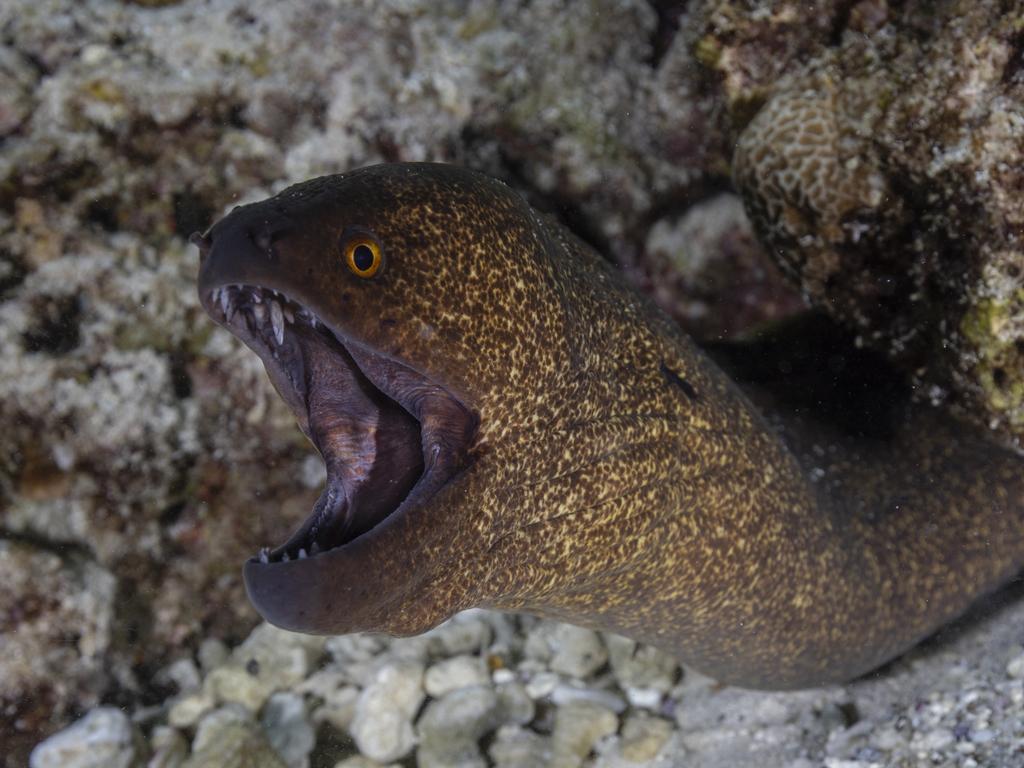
x=372, y=446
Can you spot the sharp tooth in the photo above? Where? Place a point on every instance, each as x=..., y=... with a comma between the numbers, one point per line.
x=264, y=555
x=224, y=299
x=302, y=553
x=288, y=315
x=314, y=548
x=285, y=558
x=260, y=313
x=256, y=297
x=277, y=320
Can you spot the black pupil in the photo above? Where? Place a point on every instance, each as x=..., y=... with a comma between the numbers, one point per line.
x=362, y=257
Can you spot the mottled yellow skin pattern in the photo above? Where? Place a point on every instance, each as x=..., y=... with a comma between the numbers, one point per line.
x=619, y=479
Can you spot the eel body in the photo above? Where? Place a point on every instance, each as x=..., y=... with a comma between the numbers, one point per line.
x=506, y=424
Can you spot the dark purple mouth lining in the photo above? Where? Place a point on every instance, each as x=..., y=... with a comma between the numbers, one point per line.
x=384, y=446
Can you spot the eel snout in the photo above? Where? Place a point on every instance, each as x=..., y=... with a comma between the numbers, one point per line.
x=385, y=446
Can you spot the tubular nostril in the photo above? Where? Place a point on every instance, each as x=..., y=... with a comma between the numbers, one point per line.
x=202, y=242
x=265, y=238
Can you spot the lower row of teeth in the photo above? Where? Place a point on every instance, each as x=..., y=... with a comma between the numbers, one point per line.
x=314, y=549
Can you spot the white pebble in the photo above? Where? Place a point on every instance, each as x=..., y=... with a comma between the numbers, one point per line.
x=452, y=674
x=286, y=723
x=102, y=739
x=382, y=725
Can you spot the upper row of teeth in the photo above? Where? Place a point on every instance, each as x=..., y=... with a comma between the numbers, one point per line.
x=280, y=312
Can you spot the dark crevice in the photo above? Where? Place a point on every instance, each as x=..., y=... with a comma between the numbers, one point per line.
x=840, y=22
x=103, y=213
x=331, y=745
x=1014, y=69
x=668, y=12
x=235, y=117
x=850, y=713
x=181, y=381
x=55, y=330
x=170, y=514
x=12, y=273
x=812, y=365
x=62, y=549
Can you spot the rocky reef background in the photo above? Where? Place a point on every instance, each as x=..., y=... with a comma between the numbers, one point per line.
x=143, y=456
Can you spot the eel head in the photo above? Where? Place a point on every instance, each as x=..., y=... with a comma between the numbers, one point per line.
x=371, y=298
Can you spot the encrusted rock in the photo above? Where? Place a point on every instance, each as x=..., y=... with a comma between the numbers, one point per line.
x=56, y=621
x=886, y=177
x=382, y=724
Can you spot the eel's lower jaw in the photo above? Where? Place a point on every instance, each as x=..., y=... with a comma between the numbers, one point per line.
x=380, y=460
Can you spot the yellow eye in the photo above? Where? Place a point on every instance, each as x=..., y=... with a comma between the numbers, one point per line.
x=362, y=254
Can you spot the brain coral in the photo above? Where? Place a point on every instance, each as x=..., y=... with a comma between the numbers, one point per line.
x=886, y=179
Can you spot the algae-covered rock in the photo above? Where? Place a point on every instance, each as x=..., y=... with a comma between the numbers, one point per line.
x=56, y=616
x=886, y=179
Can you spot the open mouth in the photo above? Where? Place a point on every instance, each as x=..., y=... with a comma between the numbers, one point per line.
x=385, y=443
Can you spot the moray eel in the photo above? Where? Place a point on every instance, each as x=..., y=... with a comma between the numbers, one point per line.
x=505, y=423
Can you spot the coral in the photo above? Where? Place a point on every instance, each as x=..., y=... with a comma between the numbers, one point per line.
x=886, y=179
x=749, y=46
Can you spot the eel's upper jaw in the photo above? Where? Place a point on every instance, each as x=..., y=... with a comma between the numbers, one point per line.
x=373, y=448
